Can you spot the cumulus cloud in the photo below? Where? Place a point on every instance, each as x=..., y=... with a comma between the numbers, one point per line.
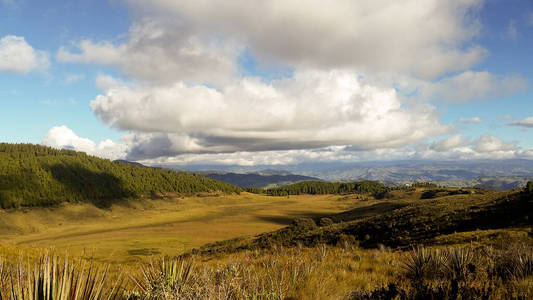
x=62, y=137
x=16, y=55
x=527, y=122
x=183, y=96
x=199, y=40
x=455, y=147
x=489, y=143
x=470, y=85
x=310, y=110
x=429, y=38
x=470, y=120
x=450, y=143
x=160, y=50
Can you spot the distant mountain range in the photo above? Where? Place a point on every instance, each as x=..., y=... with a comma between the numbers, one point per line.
x=496, y=174
x=267, y=178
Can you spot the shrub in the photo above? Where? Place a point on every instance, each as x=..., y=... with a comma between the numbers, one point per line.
x=325, y=222
x=304, y=224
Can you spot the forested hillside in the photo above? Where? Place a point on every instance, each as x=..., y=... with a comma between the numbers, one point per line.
x=322, y=187
x=33, y=175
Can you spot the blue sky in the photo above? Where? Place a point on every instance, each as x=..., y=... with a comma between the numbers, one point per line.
x=171, y=82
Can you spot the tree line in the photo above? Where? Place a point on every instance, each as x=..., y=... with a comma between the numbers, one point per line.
x=375, y=188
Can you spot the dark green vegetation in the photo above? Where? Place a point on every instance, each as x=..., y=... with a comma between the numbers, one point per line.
x=33, y=175
x=430, y=194
x=400, y=223
x=258, y=180
x=322, y=187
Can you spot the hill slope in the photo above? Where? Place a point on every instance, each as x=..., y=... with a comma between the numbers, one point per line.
x=33, y=175
x=399, y=223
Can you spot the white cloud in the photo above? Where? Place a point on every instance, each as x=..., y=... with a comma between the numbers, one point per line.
x=63, y=137
x=489, y=143
x=16, y=55
x=160, y=50
x=527, y=122
x=183, y=96
x=450, y=143
x=455, y=147
x=311, y=110
x=470, y=120
x=200, y=40
x=429, y=38
x=470, y=85
x=105, y=82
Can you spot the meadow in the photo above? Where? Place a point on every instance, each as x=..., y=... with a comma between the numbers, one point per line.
x=137, y=229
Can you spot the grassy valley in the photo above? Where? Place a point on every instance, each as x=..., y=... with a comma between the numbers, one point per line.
x=137, y=230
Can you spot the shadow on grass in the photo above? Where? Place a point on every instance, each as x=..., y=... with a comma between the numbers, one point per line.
x=367, y=211
x=287, y=220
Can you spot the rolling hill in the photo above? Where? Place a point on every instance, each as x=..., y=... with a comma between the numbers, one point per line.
x=34, y=175
x=405, y=219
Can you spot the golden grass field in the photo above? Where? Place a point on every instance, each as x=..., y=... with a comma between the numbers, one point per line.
x=138, y=229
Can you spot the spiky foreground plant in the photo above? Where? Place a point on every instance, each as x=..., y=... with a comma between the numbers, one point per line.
x=54, y=279
x=160, y=279
x=460, y=263
x=418, y=263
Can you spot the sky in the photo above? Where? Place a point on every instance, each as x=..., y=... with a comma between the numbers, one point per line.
x=268, y=82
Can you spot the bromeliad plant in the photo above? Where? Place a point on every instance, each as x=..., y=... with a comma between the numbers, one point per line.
x=52, y=278
x=164, y=279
